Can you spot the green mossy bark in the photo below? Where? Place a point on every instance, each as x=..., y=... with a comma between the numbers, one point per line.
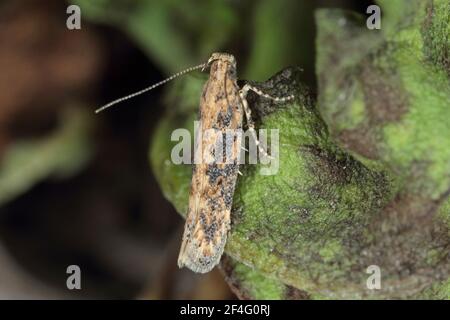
x=248, y=283
x=385, y=96
x=373, y=192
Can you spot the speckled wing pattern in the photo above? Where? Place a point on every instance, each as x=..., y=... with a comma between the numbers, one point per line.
x=213, y=182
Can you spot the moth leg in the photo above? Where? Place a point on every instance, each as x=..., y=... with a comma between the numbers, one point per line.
x=248, y=87
x=248, y=115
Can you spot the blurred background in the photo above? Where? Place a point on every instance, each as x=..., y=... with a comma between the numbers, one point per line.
x=76, y=188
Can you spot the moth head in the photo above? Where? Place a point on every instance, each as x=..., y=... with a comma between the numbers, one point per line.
x=226, y=57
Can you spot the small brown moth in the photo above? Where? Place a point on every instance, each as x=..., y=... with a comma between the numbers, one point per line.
x=222, y=108
x=212, y=186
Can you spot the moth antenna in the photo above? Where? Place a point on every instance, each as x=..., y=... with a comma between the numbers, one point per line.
x=176, y=75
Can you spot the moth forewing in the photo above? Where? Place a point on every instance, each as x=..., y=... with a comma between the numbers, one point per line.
x=213, y=180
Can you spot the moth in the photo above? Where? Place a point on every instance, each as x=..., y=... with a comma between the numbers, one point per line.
x=223, y=105
x=212, y=186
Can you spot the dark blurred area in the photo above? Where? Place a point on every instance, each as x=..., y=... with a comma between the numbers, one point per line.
x=76, y=188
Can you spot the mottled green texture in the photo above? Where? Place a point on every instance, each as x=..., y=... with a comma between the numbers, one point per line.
x=260, y=287
x=368, y=193
x=59, y=154
x=248, y=283
x=438, y=291
x=400, y=75
x=436, y=34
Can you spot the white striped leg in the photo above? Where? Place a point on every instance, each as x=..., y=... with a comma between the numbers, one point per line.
x=248, y=113
x=248, y=87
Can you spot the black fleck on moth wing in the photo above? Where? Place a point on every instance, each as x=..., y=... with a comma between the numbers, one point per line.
x=213, y=182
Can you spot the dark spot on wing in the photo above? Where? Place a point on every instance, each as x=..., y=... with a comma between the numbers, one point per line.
x=213, y=171
x=227, y=195
x=214, y=203
x=210, y=231
x=224, y=118
x=219, y=96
